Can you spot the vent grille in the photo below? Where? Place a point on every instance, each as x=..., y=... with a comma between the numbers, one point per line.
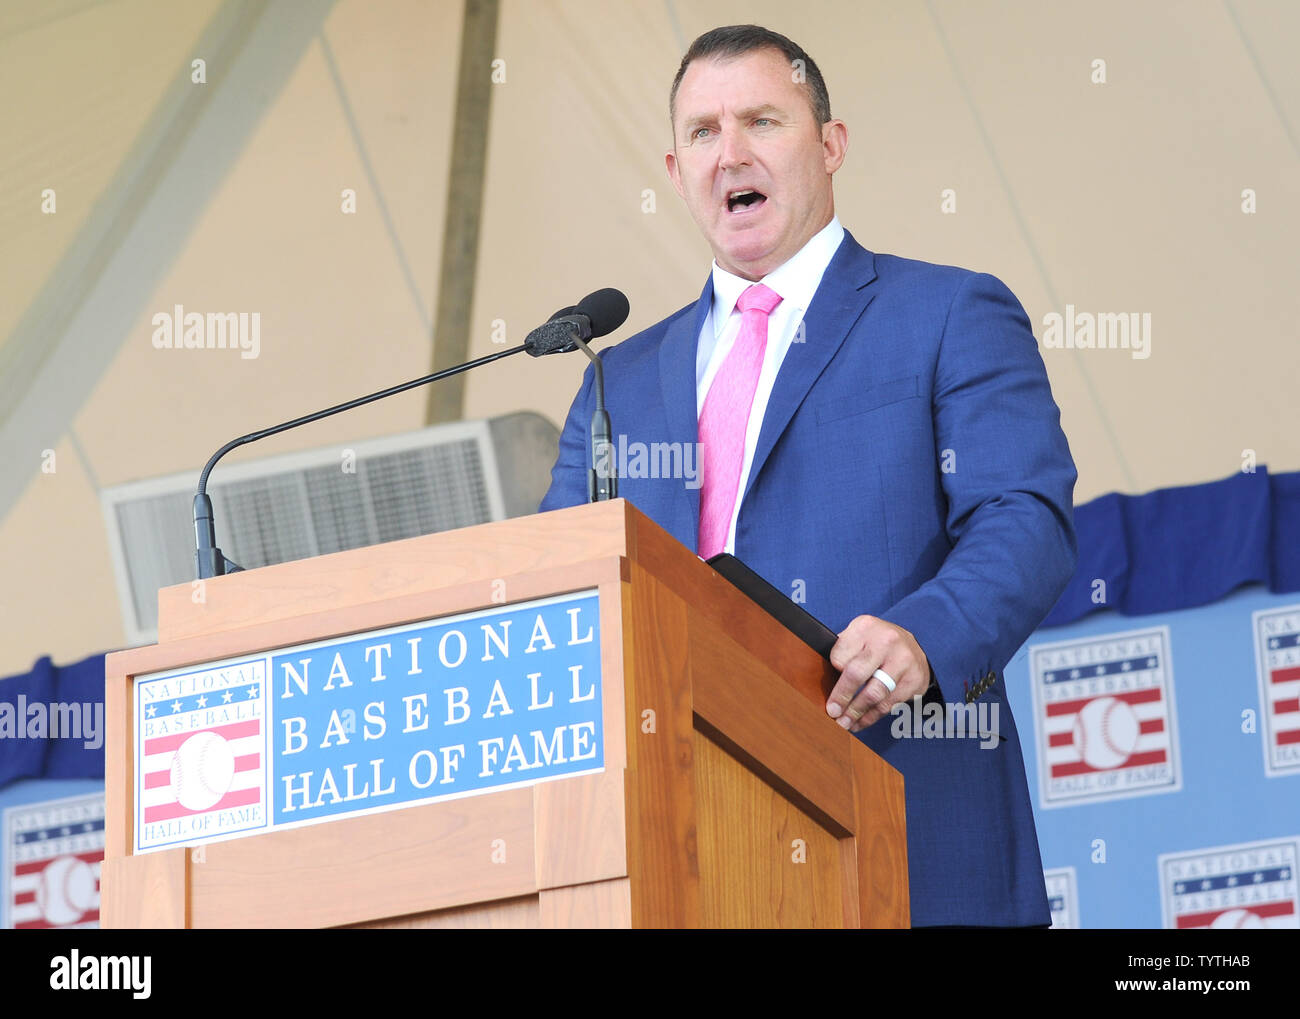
x=293, y=507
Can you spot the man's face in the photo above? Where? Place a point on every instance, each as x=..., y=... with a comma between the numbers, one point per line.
x=745, y=125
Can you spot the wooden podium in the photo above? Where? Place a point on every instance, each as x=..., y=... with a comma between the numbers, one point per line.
x=728, y=798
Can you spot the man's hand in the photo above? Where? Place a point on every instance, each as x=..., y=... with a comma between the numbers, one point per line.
x=865, y=645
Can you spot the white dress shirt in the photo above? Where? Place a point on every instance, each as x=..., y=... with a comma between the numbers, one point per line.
x=796, y=281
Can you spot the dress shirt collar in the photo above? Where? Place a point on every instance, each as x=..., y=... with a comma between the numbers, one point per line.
x=796, y=280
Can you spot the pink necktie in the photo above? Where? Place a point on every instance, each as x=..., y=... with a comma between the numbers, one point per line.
x=725, y=418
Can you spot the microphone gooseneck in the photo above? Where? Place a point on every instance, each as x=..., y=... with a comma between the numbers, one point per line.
x=209, y=560
x=596, y=314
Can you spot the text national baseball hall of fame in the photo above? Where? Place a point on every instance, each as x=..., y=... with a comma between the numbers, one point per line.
x=410, y=714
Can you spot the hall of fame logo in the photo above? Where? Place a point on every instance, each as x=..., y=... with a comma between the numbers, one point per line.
x=1277, y=657
x=201, y=754
x=1252, y=885
x=490, y=699
x=1104, y=716
x=1063, y=897
x=53, y=852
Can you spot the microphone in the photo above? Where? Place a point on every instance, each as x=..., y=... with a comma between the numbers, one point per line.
x=597, y=314
x=568, y=329
x=607, y=310
x=554, y=336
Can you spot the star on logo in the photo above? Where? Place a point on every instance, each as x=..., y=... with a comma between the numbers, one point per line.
x=87, y=827
x=1259, y=876
x=1100, y=670
x=1205, y=886
x=1151, y=663
x=1074, y=674
x=1274, y=644
x=203, y=701
x=65, y=830
x=225, y=697
x=1232, y=881
x=252, y=690
x=41, y=835
x=1286, y=873
x=176, y=706
x=1127, y=666
x=150, y=711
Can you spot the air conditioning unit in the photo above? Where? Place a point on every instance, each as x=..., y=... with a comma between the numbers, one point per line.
x=300, y=505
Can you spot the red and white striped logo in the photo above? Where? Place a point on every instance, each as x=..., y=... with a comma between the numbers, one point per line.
x=1277, y=655
x=1104, y=713
x=53, y=852
x=1252, y=885
x=200, y=754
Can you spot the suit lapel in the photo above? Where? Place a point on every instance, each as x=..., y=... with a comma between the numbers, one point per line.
x=841, y=297
x=677, y=380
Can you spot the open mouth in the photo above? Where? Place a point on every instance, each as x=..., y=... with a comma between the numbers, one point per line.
x=744, y=200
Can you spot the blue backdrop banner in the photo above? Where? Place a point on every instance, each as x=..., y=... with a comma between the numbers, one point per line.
x=52, y=722
x=1178, y=548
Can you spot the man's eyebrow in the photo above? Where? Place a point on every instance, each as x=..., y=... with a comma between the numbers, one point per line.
x=749, y=113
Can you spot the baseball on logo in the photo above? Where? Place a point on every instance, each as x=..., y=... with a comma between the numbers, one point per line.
x=202, y=771
x=1105, y=733
x=1238, y=919
x=66, y=890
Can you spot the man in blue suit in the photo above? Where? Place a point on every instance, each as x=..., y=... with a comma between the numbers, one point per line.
x=878, y=437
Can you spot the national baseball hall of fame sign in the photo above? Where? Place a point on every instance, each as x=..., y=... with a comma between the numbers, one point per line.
x=390, y=718
x=52, y=853
x=1277, y=655
x=1104, y=716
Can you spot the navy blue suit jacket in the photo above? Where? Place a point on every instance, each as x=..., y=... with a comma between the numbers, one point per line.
x=910, y=465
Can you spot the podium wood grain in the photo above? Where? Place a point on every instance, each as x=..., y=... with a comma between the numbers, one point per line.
x=728, y=798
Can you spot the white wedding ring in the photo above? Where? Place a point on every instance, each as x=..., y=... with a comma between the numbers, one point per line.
x=885, y=678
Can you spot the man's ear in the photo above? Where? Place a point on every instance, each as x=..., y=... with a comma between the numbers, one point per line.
x=835, y=142
x=674, y=172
